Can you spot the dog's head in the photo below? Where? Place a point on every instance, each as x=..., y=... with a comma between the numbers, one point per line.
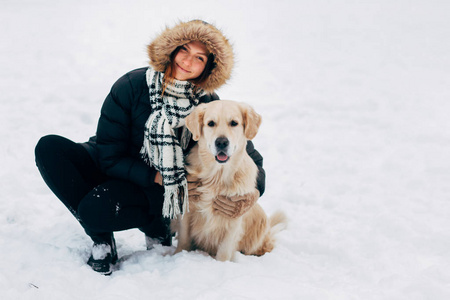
x=224, y=126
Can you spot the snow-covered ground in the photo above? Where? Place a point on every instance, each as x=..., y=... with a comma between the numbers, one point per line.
x=355, y=99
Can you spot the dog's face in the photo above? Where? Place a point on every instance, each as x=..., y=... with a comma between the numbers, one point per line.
x=224, y=126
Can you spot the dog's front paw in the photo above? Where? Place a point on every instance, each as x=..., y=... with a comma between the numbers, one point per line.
x=225, y=256
x=180, y=248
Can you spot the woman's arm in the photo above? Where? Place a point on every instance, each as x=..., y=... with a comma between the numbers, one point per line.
x=114, y=137
x=258, y=159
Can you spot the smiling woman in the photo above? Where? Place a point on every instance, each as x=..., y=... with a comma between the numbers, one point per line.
x=190, y=61
x=132, y=173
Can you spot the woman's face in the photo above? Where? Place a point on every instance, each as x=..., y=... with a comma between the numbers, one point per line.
x=190, y=61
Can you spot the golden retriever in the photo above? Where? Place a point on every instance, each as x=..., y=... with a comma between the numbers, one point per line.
x=221, y=162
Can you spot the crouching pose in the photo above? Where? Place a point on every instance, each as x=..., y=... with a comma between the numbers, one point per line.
x=131, y=174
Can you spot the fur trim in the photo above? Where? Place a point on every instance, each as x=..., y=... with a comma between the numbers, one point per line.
x=160, y=49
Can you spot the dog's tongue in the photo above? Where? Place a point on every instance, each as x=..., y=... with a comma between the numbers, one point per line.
x=222, y=156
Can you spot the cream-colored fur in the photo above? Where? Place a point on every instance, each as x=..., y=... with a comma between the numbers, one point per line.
x=201, y=228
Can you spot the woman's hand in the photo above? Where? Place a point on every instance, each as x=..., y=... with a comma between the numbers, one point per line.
x=234, y=207
x=158, y=178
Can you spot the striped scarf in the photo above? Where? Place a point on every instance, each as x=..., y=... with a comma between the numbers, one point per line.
x=162, y=148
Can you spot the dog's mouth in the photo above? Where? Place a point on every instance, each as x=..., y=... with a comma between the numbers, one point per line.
x=221, y=157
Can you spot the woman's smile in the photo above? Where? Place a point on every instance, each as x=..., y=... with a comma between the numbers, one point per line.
x=190, y=61
x=183, y=69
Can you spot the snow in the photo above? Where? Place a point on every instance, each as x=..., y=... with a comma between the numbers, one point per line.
x=100, y=251
x=354, y=97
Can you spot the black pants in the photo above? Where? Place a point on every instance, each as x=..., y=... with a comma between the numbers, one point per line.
x=100, y=203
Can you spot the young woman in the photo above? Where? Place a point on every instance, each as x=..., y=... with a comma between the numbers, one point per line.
x=131, y=174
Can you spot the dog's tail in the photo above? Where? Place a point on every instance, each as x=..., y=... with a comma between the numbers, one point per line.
x=277, y=222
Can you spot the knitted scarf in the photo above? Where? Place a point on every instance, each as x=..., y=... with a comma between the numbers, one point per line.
x=162, y=148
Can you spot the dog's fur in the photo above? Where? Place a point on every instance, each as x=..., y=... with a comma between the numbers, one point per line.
x=225, y=169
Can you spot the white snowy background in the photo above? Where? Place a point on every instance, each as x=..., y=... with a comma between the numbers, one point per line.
x=355, y=99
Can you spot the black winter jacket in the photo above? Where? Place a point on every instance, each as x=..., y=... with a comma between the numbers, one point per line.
x=120, y=132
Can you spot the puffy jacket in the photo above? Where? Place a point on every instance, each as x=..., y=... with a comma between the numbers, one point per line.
x=120, y=132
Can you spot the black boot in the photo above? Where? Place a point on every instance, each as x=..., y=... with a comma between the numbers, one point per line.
x=104, y=254
x=158, y=232
x=151, y=242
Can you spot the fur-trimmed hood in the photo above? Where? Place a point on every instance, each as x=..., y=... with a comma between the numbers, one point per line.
x=161, y=48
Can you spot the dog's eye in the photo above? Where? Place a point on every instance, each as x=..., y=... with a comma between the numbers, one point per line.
x=233, y=123
x=211, y=123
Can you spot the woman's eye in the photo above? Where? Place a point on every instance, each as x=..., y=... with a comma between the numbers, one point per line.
x=200, y=58
x=183, y=48
x=234, y=123
x=211, y=123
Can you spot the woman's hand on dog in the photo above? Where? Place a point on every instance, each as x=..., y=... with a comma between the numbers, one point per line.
x=231, y=207
x=236, y=206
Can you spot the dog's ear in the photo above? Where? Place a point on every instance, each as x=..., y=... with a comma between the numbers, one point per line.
x=252, y=120
x=194, y=121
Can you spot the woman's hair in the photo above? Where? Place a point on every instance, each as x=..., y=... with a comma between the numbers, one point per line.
x=169, y=75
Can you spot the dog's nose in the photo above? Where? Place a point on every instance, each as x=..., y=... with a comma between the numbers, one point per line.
x=222, y=143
